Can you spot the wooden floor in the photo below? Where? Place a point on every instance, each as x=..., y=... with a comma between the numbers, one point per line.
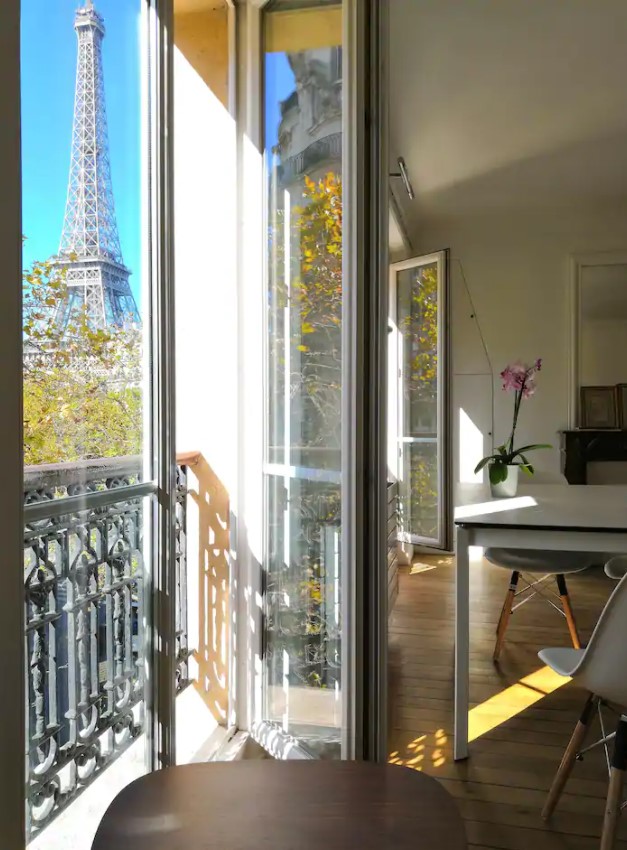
x=500, y=790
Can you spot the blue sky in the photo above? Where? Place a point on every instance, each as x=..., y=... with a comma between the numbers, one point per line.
x=279, y=81
x=48, y=75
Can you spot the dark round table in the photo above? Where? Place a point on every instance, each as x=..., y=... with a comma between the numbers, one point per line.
x=282, y=805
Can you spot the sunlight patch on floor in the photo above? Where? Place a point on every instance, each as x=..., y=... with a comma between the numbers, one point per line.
x=512, y=701
x=416, y=756
x=429, y=562
x=429, y=750
x=417, y=567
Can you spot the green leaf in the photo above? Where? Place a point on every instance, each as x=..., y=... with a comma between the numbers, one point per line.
x=483, y=462
x=498, y=473
x=526, y=466
x=531, y=448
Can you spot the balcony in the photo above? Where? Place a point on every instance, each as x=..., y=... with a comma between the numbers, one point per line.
x=318, y=153
x=84, y=612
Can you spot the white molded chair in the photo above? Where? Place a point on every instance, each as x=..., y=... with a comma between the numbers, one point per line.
x=601, y=669
x=617, y=567
x=542, y=565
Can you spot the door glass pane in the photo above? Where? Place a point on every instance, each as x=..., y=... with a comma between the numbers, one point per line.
x=86, y=392
x=303, y=506
x=83, y=251
x=419, y=402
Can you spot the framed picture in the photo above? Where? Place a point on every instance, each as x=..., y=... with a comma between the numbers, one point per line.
x=621, y=402
x=598, y=407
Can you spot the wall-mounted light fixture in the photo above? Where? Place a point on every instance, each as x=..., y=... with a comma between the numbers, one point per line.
x=403, y=174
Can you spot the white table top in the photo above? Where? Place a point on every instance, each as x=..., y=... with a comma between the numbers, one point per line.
x=585, y=507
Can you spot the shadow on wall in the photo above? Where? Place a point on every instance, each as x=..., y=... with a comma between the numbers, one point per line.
x=201, y=35
x=209, y=549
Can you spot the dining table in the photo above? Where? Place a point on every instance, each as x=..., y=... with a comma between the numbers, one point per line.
x=282, y=805
x=560, y=517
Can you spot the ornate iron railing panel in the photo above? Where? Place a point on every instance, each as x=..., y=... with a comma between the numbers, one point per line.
x=303, y=617
x=84, y=614
x=328, y=148
x=182, y=646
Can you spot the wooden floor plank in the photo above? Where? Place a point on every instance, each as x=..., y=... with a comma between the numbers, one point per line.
x=500, y=790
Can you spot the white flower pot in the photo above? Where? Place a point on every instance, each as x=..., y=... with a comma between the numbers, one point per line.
x=508, y=488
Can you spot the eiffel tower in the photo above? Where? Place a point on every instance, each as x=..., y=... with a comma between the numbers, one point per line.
x=90, y=254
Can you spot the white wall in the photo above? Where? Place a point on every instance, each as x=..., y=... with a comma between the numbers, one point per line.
x=206, y=304
x=516, y=266
x=206, y=352
x=398, y=244
x=603, y=352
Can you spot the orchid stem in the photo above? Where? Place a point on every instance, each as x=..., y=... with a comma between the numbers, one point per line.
x=517, y=402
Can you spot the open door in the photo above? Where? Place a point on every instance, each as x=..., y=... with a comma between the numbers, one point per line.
x=419, y=398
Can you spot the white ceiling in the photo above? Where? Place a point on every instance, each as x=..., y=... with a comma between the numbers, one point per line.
x=499, y=104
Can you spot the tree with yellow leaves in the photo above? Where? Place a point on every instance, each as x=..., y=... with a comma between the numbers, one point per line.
x=81, y=384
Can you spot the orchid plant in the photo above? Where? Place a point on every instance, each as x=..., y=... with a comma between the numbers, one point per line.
x=521, y=380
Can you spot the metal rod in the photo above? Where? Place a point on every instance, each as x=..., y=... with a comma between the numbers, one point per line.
x=51, y=508
x=596, y=744
x=605, y=739
x=404, y=175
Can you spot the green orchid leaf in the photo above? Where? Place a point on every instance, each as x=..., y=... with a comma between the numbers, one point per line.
x=483, y=462
x=532, y=448
x=526, y=466
x=498, y=473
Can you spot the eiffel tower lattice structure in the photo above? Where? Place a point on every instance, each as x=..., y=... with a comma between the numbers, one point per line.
x=90, y=254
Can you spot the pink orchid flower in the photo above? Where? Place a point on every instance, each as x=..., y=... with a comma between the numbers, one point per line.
x=520, y=379
x=518, y=376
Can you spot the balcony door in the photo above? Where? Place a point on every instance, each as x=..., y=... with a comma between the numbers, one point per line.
x=318, y=602
x=303, y=683
x=419, y=393
x=100, y=488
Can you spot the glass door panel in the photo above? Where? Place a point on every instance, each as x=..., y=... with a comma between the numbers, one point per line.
x=418, y=293
x=89, y=482
x=304, y=389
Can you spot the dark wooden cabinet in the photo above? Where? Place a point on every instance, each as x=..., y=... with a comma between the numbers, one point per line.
x=583, y=446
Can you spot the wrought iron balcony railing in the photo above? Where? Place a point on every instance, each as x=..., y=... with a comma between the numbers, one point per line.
x=324, y=150
x=84, y=614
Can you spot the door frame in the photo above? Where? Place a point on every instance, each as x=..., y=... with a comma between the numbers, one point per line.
x=366, y=414
x=12, y=664
x=159, y=216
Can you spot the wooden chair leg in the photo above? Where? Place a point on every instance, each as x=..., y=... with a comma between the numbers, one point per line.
x=566, y=606
x=568, y=760
x=506, y=613
x=615, y=789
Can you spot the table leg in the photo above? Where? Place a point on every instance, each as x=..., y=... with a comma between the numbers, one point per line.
x=462, y=643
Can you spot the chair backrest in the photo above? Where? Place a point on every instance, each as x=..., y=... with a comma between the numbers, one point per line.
x=603, y=669
x=616, y=567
